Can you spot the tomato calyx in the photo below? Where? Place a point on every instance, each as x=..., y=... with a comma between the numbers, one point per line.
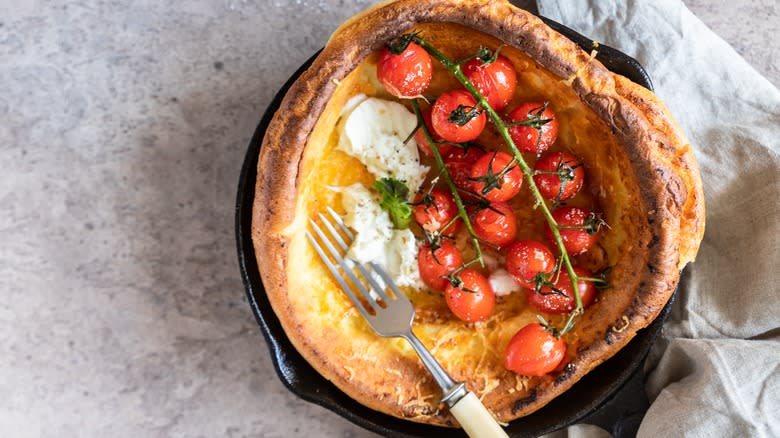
x=488, y=56
x=460, y=116
x=548, y=280
x=549, y=327
x=434, y=242
x=454, y=277
x=397, y=45
x=542, y=280
x=599, y=279
x=483, y=54
x=491, y=179
x=591, y=224
x=566, y=173
x=534, y=118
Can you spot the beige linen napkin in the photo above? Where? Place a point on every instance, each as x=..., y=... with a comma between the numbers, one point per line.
x=716, y=372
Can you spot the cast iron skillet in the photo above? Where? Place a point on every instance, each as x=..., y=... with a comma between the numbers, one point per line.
x=612, y=396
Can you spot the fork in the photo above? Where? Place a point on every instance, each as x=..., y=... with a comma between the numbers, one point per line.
x=392, y=316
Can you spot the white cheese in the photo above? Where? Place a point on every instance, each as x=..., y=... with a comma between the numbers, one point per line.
x=374, y=132
x=352, y=103
x=376, y=240
x=503, y=283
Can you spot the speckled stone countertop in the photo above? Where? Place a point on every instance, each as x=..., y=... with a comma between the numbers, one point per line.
x=123, y=126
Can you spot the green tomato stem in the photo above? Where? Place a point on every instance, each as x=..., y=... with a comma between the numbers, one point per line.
x=455, y=69
x=448, y=179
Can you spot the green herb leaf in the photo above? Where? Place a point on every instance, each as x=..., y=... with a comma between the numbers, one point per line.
x=395, y=200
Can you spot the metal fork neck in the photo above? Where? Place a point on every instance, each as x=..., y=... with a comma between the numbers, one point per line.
x=452, y=391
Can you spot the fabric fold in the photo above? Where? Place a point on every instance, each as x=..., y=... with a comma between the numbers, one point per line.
x=705, y=377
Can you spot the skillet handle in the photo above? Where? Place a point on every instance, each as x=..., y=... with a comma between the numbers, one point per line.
x=622, y=414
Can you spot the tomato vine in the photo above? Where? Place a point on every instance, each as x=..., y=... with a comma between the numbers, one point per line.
x=534, y=121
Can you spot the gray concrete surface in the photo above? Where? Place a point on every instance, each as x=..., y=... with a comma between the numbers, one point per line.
x=122, y=130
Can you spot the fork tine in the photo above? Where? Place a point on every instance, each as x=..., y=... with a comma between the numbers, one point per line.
x=380, y=291
x=336, y=217
x=336, y=275
x=375, y=286
x=388, y=281
x=333, y=232
x=344, y=267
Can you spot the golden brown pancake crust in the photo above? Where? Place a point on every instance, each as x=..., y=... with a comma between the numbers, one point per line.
x=667, y=230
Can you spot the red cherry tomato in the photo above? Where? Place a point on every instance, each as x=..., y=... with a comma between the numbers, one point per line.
x=497, y=227
x=459, y=163
x=568, y=166
x=534, y=351
x=550, y=301
x=406, y=75
x=526, y=137
x=436, y=265
x=506, y=187
x=527, y=258
x=496, y=81
x=441, y=208
x=474, y=300
x=576, y=241
x=457, y=132
x=422, y=140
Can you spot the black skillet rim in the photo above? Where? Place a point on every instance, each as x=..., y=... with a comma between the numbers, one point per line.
x=574, y=406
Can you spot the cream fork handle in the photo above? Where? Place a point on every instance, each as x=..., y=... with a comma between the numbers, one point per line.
x=472, y=415
x=475, y=419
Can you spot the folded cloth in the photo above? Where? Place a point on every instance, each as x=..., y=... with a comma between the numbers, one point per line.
x=716, y=370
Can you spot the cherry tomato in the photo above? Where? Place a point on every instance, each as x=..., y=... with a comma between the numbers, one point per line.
x=506, y=187
x=406, y=75
x=474, y=300
x=457, y=132
x=496, y=81
x=459, y=162
x=534, y=351
x=549, y=301
x=525, y=259
x=526, y=137
x=497, y=225
x=436, y=265
x=576, y=241
x=422, y=141
x=568, y=166
x=435, y=214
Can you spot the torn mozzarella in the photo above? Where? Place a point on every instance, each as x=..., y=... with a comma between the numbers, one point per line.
x=503, y=283
x=374, y=132
x=376, y=240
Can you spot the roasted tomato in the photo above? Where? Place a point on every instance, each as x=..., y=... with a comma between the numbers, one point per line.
x=497, y=224
x=489, y=184
x=562, y=178
x=459, y=162
x=422, y=140
x=436, y=212
x=527, y=258
x=473, y=300
x=526, y=137
x=578, y=227
x=406, y=75
x=561, y=299
x=436, y=265
x=534, y=351
x=496, y=81
x=456, y=117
